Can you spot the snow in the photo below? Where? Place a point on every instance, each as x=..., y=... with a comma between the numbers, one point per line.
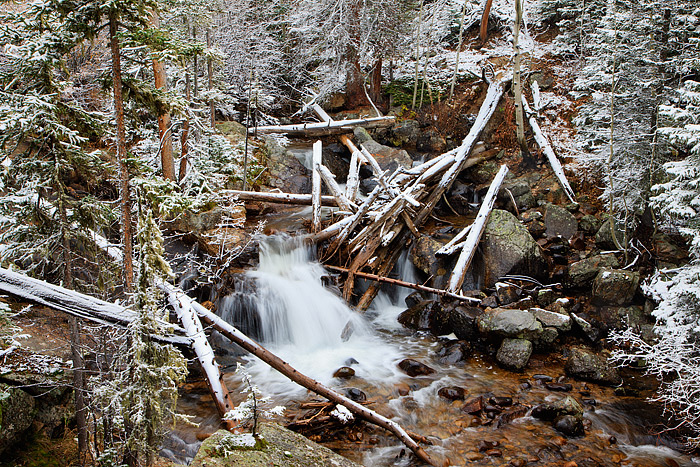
x=342, y=414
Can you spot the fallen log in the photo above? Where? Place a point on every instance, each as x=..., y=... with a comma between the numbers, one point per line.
x=475, y=232
x=410, y=285
x=78, y=304
x=329, y=127
x=329, y=179
x=454, y=244
x=283, y=367
x=548, y=151
x=281, y=198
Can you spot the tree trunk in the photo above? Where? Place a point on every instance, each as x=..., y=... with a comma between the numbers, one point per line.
x=354, y=80
x=185, y=132
x=375, y=86
x=121, y=154
x=484, y=29
x=517, y=83
x=166, y=138
x=195, y=66
x=210, y=84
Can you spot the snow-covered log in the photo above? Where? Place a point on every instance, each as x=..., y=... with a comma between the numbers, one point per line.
x=316, y=187
x=353, y=183
x=337, y=193
x=549, y=152
x=281, y=198
x=329, y=127
x=475, y=232
x=454, y=244
x=290, y=372
x=77, y=304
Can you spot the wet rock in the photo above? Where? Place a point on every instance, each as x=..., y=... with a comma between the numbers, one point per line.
x=414, y=299
x=510, y=323
x=474, y=406
x=424, y=258
x=355, y=394
x=604, y=237
x=589, y=224
x=507, y=293
x=402, y=389
x=559, y=387
x=484, y=445
x=584, y=364
x=415, y=368
x=551, y=410
x=508, y=248
x=454, y=352
x=452, y=393
x=559, y=222
x=501, y=401
x=462, y=198
x=559, y=321
x=494, y=453
x=615, y=286
x=430, y=141
x=489, y=302
x=542, y=378
x=545, y=297
x=582, y=273
x=569, y=425
x=16, y=415
x=514, y=353
x=460, y=320
x=404, y=133
x=351, y=361
x=418, y=317
x=335, y=158
x=519, y=189
x=344, y=372
x=590, y=331
x=387, y=157
x=284, y=169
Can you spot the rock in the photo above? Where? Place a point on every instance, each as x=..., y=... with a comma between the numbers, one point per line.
x=559, y=387
x=508, y=248
x=581, y=273
x=474, y=406
x=355, y=394
x=667, y=250
x=454, y=352
x=569, y=425
x=514, y=353
x=604, y=238
x=559, y=321
x=549, y=411
x=282, y=447
x=536, y=229
x=402, y=389
x=461, y=198
x=460, y=320
x=520, y=190
x=489, y=302
x=507, y=293
x=414, y=299
x=501, y=401
x=430, y=141
x=404, y=133
x=336, y=159
x=452, y=393
x=585, y=365
x=415, y=368
x=484, y=445
x=419, y=316
x=590, y=331
x=622, y=317
x=284, y=169
x=423, y=256
x=388, y=158
x=615, y=286
x=547, y=338
x=545, y=297
x=198, y=222
x=559, y=222
x=589, y=224
x=16, y=415
x=335, y=101
x=510, y=323
x=344, y=372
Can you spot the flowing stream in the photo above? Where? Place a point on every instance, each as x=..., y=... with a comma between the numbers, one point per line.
x=286, y=306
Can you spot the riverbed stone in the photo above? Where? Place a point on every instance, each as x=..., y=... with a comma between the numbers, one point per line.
x=16, y=415
x=615, y=286
x=514, y=353
x=460, y=320
x=344, y=372
x=506, y=322
x=419, y=316
x=387, y=157
x=284, y=171
x=282, y=447
x=559, y=222
x=424, y=258
x=559, y=321
x=569, y=425
x=452, y=393
x=586, y=365
x=508, y=248
x=415, y=368
x=549, y=411
x=454, y=352
x=582, y=273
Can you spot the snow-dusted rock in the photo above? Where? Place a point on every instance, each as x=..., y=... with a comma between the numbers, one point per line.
x=615, y=286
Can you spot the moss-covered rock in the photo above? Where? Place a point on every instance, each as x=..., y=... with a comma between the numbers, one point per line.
x=16, y=414
x=282, y=448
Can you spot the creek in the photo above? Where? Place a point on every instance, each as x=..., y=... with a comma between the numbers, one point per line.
x=306, y=323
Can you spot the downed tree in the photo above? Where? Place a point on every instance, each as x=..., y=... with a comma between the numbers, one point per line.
x=475, y=232
x=410, y=285
x=283, y=367
x=548, y=151
x=281, y=198
x=329, y=127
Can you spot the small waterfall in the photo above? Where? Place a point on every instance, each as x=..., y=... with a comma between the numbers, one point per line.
x=295, y=316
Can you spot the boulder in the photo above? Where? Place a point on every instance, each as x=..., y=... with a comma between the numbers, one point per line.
x=589, y=224
x=569, y=426
x=415, y=368
x=559, y=222
x=549, y=411
x=514, y=353
x=423, y=256
x=581, y=273
x=431, y=142
x=520, y=190
x=460, y=320
x=559, y=321
x=507, y=293
x=615, y=286
x=619, y=317
x=419, y=316
x=16, y=415
x=387, y=157
x=414, y=298
x=510, y=323
x=452, y=393
x=508, y=248
x=586, y=327
x=454, y=352
x=284, y=170
x=335, y=157
x=584, y=364
x=281, y=447
x=545, y=297
x=604, y=238
x=404, y=133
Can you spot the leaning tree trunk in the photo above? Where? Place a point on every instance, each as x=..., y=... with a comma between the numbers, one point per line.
x=166, y=138
x=375, y=85
x=121, y=154
x=354, y=80
x=517, y=82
